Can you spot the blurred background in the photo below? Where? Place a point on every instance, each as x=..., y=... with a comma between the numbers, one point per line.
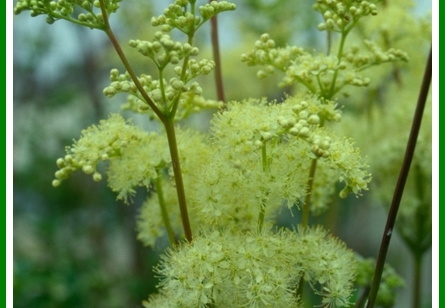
x=75, y=245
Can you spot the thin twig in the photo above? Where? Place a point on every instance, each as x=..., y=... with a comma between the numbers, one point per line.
x=403, y=175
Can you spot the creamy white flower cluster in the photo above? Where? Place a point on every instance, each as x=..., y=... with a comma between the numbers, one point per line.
x=255, y=270
x=90, y=14
x=123, y=146
x=248, y=168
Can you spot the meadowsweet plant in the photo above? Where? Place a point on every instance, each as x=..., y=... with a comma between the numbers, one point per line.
x=217, y=195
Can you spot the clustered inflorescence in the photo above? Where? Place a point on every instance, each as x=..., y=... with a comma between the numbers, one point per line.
x=260, y=158
x=90, y=14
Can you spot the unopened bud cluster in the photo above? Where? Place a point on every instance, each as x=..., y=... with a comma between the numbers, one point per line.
x=303, y=123
x=315, y=71
x=177, y=16
x=90, y=14
x=341, y=15
x=163, y=50
x=267, y=54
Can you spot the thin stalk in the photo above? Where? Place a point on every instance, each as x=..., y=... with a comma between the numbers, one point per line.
x=329, y=42
x=403, y=175
x=339, y=54
x=164, y=212
x=127, y=64
x=307, y=199
x=174, y=154
x=217, y=58
x=265, y=169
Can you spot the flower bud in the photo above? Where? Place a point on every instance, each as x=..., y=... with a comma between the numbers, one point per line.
x=88, y=169
x=97, y=177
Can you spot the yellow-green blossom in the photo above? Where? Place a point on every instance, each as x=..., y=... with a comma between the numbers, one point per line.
x=256, y=270
x=133, y=155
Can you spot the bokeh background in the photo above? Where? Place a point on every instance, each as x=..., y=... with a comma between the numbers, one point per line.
x=76, y=246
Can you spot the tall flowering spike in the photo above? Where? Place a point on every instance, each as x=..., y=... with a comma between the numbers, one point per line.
x=82, y=12
x=255, y=270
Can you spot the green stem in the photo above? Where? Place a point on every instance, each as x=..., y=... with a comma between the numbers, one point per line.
x=164, y=212
x=344, y=34
x=127, y=64
x=263, y=202
x=162, y=87
x=307, y=199
x=174, y=154
x=403, y=175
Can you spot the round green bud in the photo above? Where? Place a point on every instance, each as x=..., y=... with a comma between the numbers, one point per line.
x=177, y=84
x=313, y=119
x=50, y=20
x=88, y=169
x=97, y=177
x=304, y=132
x=68, y=158
x=60, y=163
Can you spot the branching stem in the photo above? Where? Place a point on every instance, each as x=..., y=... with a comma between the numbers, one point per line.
x=167, y=119
x=127, y=64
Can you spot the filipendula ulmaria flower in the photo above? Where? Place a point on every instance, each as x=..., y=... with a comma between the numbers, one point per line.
x=132, y=154
x=255, y=270
x=259, y=165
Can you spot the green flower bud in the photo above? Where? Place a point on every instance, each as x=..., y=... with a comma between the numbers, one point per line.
x=97, y=177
